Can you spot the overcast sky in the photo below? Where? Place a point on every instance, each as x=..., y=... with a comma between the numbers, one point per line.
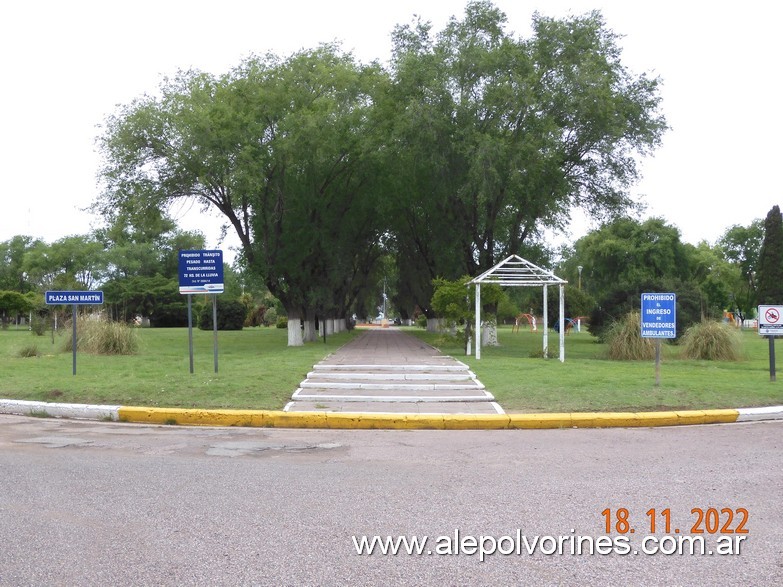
x=67, y=65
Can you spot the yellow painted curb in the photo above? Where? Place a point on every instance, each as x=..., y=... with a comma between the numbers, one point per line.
x=368, y=421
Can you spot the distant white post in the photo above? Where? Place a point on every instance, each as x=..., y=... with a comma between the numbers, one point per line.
x=562, y=323
x=546, y=323
x=477, y=334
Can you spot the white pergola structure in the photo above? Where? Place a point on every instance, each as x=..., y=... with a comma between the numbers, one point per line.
x=515, y=271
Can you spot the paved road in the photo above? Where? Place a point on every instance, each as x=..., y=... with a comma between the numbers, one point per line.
x=86, y=503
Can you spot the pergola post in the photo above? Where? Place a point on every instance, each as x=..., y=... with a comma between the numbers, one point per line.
x=477, y=334
x=562, y=323
x=546, y=323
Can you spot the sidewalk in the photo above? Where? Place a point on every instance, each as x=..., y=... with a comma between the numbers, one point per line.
x=386, y=371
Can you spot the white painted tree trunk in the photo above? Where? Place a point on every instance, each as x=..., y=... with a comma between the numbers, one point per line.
x=294, y=331
x=434, y=324
x=329, y=326
x=489, y=333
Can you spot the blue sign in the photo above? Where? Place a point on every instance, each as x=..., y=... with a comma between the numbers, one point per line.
x=659, y=315
x=200, y=272
x=73, y=297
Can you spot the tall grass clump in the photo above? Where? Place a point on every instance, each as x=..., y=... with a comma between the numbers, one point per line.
x=27, y=351
x=104, y=337
x=625, y=342
x=711, y=341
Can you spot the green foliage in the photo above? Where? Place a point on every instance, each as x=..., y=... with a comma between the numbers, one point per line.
x=626, y=252
x=456, y=301
x=282, y=322
x=741, y=246
x=103, y=337
x=30, y=350
x=230, y=315
x=484, y=123
x=270, y=317
x=711, y=341
x=770, y=268
x=623, y=299
x=625, y=342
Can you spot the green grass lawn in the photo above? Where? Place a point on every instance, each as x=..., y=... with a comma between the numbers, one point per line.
x=255, y=369
x=258, y=371
x=587, y=381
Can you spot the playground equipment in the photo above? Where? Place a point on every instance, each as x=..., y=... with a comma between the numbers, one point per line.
x=531, y=320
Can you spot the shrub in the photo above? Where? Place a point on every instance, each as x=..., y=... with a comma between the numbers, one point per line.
x=230, y=315
x=625, y=340
x=282, y=322
x=711, y=341
x=30, y=350
x=270, y=317
x=39, y=325
x=103, y=337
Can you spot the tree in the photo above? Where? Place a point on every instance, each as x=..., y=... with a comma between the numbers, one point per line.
x=12, y=274
x=770, y=268
x=500, y=138
x=286, y=150
x=73, y=262
x=741, y=246
x=626, y=252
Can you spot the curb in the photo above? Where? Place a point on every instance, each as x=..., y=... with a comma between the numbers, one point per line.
x=385, y=421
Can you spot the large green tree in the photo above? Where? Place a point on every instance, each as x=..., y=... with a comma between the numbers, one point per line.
x=499, y=137
x=770, y=269
x=741, y=246
x=287, y=150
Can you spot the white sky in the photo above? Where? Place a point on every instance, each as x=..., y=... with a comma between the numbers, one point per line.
x=67, y=65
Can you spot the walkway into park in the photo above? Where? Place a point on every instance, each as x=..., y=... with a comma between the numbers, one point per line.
x=385, y=370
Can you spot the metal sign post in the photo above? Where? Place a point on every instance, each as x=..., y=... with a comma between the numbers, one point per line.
x=201, y=271
x=659, y=320
x=75, y=298
x=771, y=325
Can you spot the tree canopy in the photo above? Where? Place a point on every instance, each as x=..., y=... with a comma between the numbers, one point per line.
x=461, y=152
x=770, y=268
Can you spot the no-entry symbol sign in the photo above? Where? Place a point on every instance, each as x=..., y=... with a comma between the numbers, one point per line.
x=770, y=321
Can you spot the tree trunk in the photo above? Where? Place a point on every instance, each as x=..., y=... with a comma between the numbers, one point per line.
x=294, y=329
x=309, y=334
x=489, y=333
x=434, y=324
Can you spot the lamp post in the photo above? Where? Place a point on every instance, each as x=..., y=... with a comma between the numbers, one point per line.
x=579, y=268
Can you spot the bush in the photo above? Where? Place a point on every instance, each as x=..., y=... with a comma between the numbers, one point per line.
x=270, y=317
x=102, y=337
x=282, y=322
x=39, y=325
x=625, y=340
x=31, y=350
x=230, y=315
x=711, y=341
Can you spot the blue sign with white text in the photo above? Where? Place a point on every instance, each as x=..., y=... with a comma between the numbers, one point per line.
x=659, y=315
x=73, y=297
x=201, y=272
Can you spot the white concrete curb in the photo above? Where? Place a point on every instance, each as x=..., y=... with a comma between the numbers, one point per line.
x=755, y=414
x=57, y=410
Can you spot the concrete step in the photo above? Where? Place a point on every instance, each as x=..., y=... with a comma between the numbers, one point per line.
x=388, y=367
x=391, y=385
x=396, y=395
x=412, y=407
x=390, y=376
